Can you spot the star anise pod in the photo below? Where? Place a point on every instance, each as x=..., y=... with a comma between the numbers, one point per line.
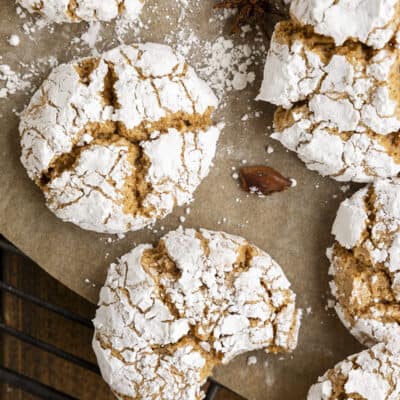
x=249, y=10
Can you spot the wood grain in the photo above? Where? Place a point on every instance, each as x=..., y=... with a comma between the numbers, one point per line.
x=51, y=328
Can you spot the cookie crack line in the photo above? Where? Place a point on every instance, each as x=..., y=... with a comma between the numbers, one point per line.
x=132, y=129
x=169, y=314
x=364, y=263
x=371, y=374
x=111, y=132
x=371, y=22
x=338, y=103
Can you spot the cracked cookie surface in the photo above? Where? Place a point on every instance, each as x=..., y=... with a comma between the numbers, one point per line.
x=373, y=374
x=115, y=142
x=168, y=314
x=372, y=22
x=83, y=10
x=365, y=263
x=339, y=107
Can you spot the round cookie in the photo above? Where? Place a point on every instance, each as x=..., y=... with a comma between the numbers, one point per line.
x=365, y=263
x=115, y=142
x=339, y=106
x=83, y=10
x=168, y=314
x=372, y=22
x=373, y=374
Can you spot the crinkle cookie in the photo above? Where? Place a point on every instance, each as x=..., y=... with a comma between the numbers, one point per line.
x=373, y=374
x=339, y=106
x=83, y=10
x=115, y=142
x=365, y=263
x=372, y=22
x=168, y=314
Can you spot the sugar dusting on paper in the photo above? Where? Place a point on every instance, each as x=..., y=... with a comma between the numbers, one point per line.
x=227, y=62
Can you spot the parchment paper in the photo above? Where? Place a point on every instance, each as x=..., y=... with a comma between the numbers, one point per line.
x=294, y=227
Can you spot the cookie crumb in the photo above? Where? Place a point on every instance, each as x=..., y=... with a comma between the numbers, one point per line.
x=252, y=360
x=14, y=40
x=270, y=149
x=344, y=188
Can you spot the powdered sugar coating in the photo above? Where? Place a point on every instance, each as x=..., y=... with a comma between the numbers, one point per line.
x=83, y=10
x=372, y=22
x=373, y=374
x=167, y=315
x=351, y=220
x=342, y=105
x=116, y=142
x=291, y=73
x=360, y=158
x=368, y=227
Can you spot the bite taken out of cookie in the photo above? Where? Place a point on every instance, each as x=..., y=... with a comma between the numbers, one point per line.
x=168, y=314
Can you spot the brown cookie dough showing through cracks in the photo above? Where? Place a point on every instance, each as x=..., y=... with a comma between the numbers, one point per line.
x=169, y=314
x=365, y=269
x=146, y=153
x=370, y=375
x=338, y=106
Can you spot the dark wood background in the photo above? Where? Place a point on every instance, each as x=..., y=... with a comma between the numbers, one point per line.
x=51, y=328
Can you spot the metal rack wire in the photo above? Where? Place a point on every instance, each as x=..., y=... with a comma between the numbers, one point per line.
x=28, y=385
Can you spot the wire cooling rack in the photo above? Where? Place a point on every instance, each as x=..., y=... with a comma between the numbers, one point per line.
x=34, y=387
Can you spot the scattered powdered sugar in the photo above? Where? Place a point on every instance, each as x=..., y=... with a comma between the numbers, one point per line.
x=14, y=40
x=252, y=360
x=89, y=282
x=225, y=63
x=11, y=81
x=228, y=65
x=128, y=22
x=270, y=149
x=123, y=26
x=344, y=188
x=31, y=25
x=330, y=304
x=92, y=35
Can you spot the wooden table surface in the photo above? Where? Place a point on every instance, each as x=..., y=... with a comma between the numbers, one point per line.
x=51, y=328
